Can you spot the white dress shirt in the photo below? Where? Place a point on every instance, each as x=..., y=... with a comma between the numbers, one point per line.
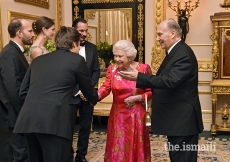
x=21, y=48
x=82, y=51
x=170, y=49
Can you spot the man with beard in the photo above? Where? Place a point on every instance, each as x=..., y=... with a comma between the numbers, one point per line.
x=78, y=101
x=13, y=66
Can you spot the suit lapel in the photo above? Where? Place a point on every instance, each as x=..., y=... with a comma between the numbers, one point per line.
x=169, y=57
x=88, y=53
x=20, y=52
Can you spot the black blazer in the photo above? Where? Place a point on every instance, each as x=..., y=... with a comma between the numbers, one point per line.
x=13, y=66
x=176, y=109
x=92, y=63
x=48, y=86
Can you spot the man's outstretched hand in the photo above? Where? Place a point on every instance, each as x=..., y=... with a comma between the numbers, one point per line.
x=129, y=75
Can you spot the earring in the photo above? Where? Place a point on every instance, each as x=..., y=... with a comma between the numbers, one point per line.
x=44, y=35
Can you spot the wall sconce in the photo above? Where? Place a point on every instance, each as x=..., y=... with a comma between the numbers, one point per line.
x=183, y=14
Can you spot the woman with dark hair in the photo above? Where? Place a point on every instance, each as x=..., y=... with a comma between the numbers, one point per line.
x=44, y=29
x=44, y=118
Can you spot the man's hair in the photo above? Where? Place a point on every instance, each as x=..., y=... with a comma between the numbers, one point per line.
x=41, y=22
x=66, y=36
x=75, y=22
x=127, y=47
x=173, y=25
x=14, y=26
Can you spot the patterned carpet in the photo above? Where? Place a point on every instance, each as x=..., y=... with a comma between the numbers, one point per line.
x=159, y=153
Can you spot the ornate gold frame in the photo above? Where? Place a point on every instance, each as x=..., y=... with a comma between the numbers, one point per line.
x=139, y=4
x=158, y=53
x=58, y=14
x=104, y=1
x=224, y=36
x=11, y=14
x=40, y=3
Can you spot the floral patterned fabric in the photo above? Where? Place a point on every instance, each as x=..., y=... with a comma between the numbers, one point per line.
x=127, y=134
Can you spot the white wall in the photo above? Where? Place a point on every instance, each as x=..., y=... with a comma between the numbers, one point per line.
x=67, y=12
x=149, y=30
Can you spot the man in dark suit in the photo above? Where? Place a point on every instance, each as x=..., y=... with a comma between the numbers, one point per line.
x=176, y=110
x=78, y=102
x=13, y=66
x=47, y=88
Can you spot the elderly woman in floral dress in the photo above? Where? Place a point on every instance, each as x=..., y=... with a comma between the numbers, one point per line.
x=127, y=134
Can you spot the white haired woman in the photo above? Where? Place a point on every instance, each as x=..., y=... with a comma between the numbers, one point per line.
x=127, y=134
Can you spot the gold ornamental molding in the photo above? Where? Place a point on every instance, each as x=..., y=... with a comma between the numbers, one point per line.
x=199, y=44
x=75, y=2
x=1, y=40
x=76, y=9
x=210, y=111
x=205, y=66
x=118, y=1
x=209, y=120
x=12, y=14
x=58, y=14
x=89, y=14
x=140, y=36
x=102, y=113
x=94, y=1
x=204, y=83
x=40, y=3
x=221, y=90
x=204, y=92
x=158, y=53
x=105, y=1
x=215, y=50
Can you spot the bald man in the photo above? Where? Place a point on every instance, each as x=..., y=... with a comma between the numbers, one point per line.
x=176, y=110
x=13, y=66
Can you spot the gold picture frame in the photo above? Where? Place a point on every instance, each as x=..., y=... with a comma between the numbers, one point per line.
x=158, y=53
x=40, y=3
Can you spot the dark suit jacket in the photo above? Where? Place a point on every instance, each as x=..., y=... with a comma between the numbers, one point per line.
x=176, y=109
x=48, y=86
x=13, y=66
x=93, y=66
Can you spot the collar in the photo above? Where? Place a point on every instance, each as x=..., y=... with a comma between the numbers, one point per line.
x=170, y=49
x=21, y=48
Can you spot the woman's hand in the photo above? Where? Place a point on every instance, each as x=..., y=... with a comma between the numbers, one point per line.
x=132, y=99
